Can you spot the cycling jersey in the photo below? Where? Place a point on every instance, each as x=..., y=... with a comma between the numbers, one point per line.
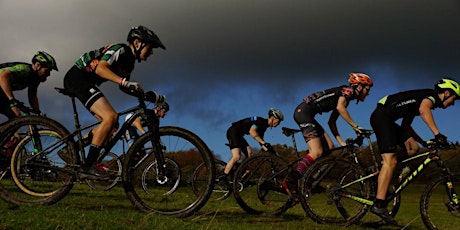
x=240, y=128
x=119, y=56
x=406, y=104
x=23, y=75
x=326, y=100
x=243, y=126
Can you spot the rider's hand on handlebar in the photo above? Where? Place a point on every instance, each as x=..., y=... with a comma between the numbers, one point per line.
x=131, y=85
x=269, y=148
x=358, y=130
x=440, y=139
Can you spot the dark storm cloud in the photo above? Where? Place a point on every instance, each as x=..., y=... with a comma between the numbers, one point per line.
x=224, y=54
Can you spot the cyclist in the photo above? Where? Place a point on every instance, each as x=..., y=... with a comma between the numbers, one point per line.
x=16, y=76
x=336, y=100
x=389, y=134
x=113, y=63
x=254, y=126
x=158, y=112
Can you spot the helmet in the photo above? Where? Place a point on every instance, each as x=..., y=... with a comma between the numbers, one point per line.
x=45, y=60
x=145, y=35
x=164, y=106
x=276, y=113
x=360, y=78
x=447, y=83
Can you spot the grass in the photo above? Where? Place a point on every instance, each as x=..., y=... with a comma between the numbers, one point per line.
x=85, y=208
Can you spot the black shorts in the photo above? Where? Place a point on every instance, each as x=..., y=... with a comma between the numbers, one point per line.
x=304, y=116
x=388, y=133
x=131, y=135
x=81, y=83
x=236, y=139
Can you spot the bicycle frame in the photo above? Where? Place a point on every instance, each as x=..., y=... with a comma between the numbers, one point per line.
x=430, y=157
x=137, y=111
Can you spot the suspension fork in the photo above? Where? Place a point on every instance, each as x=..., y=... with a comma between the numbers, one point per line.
x=449, y=185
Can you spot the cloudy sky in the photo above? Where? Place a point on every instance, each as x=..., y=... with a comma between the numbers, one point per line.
x=227, y=60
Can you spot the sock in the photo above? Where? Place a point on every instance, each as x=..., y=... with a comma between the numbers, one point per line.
x=304, y=164
x=93, y=154
x=379, y=203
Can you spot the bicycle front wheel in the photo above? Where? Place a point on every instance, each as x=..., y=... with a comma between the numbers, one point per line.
x=328, y=188
x=37, y=168
x=199, y=178
x=188, y=151
x=437, y=209
x=257, y=183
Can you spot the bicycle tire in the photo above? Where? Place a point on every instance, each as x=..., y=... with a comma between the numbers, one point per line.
x=172, y=171
x=321, y=192
x=199, y=177
x=261, y=176
x=40, y=180
x=113, y=165
x=436, y=209
x=188, y=151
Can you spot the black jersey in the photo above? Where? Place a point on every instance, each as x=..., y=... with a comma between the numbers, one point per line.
x=326, y=100
x=243, y=126
x=407, y=103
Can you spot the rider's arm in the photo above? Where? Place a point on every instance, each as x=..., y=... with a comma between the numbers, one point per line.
x=341, y=108
x=5, y=84
x=254, y=134
x=332, y=122
x=104, y=71
x=33, y=99
x=427, y=115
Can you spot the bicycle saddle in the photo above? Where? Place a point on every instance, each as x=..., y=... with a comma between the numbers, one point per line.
x=288, y=131
x=64, y=91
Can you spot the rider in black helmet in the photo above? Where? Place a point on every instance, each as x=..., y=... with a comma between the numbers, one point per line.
x=114, y=63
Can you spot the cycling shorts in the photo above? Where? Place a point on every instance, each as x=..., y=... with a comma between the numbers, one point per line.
x=80, y=83
x=236, y=139
x=304, y=116
x=131, y=135
x=388, y=133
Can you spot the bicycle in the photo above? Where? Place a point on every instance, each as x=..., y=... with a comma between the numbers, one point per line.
x=350, y=190
x=44, y=144
x=11, y=140
x=267, y=171
x=113, y=163
x=219, y=192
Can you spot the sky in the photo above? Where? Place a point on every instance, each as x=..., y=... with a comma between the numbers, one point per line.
x=228, y=60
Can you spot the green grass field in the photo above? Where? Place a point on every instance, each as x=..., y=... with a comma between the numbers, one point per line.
x=85, y=208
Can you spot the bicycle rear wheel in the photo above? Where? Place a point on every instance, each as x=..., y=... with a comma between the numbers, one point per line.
x=199, y=178
x=188, y=151
x=37, y=169
x=261, y=176
x=324, y=189
x=438, y=211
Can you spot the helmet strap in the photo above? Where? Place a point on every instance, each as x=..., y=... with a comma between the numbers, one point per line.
x=137, y=52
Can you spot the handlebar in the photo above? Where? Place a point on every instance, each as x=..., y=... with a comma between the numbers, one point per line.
x=432, y=144
x=27, y=110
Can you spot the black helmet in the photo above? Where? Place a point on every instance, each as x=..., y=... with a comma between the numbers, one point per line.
x=145, y=35
x=164, y=106
x=45, y=59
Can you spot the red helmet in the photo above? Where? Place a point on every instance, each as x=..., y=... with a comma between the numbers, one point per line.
x=360, y=78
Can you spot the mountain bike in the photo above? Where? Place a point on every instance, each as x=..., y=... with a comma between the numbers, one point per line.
x=50, y=147
x=350, y=190
x=10, y=141
x=113, y=163
x=220, y=192
x=267, y=171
